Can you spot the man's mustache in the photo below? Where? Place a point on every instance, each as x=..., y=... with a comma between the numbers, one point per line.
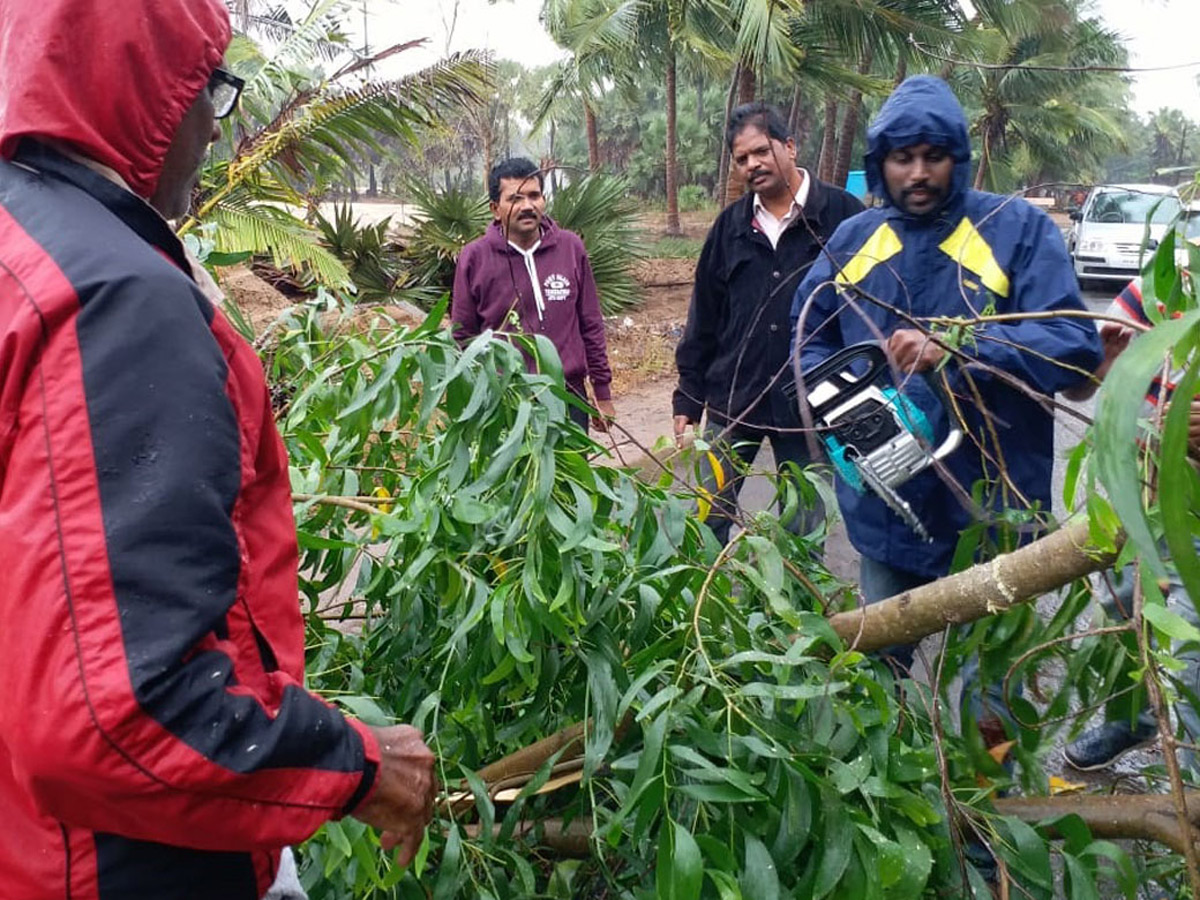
x=923, y=186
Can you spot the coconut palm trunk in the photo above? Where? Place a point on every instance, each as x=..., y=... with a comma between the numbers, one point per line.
x=849, y=129
x=593, y=137
x=719, y=193
x=829, y=141
x=672, y=136
x=747, y=85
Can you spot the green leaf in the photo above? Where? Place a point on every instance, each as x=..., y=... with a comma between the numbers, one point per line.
x=337, y=836
x=1031, y=855
x=918, y=863
x=759, y=879
x=1177, y=483
x=719, y=793
x=450, y=872
x=726, y=885
x=1116, y=430
x=847, y=777
x=792, y=691
x=365, y=708
x=1079, y=881
x=649, y=761
x=483, y=805
x=1171, y=624
x=837, y=845
x=469, y=510
x=680, y=867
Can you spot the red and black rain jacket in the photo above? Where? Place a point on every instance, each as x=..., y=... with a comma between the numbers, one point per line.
x=156, y=740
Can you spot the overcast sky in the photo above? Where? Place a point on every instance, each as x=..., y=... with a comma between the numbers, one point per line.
x=1160, y=33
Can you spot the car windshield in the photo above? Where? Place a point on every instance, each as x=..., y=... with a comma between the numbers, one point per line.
x=1191, y=228
x=1132, y=208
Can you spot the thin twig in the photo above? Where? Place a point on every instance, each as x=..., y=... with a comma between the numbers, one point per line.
x=359, y=504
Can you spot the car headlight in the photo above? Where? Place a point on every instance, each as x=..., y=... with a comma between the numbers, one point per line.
x=1092, y=246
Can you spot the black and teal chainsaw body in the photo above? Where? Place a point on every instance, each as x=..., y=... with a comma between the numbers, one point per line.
x=876, y=438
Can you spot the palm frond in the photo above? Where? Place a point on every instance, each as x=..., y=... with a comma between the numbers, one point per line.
x=266, y=229
x=342, y=124
x=600, y=210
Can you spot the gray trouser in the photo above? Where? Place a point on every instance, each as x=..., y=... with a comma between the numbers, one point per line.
x=736, y=447
x=1116, y=598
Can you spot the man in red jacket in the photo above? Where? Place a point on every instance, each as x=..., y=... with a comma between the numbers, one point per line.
x=528, y=275
x=156, y=739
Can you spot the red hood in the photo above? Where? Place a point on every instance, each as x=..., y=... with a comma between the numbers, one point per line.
x=112, y=80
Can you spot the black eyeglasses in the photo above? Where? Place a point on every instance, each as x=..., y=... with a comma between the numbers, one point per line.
x=225, y=90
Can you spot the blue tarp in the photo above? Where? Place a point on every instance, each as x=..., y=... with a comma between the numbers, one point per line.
x=856, y=183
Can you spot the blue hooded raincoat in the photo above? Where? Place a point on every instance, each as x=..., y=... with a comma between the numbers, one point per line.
x=978, y=250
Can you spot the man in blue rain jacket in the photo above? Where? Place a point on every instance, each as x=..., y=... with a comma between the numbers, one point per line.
x=937, y=248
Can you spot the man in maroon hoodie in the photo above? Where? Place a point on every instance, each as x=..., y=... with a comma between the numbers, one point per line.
x=156, y=738
x=528, y=275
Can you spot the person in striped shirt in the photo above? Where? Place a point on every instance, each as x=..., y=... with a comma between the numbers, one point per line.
x=1129, y=725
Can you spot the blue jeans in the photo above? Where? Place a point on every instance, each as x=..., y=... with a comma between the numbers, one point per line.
x=737, y=446
x=878, y=581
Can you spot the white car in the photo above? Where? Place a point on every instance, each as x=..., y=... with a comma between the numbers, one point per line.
x=1189, y=230
x=1106, y=241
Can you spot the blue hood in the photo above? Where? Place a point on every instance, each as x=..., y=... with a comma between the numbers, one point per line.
x=923, y=110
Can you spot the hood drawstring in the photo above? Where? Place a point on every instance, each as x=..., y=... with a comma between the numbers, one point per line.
x=538, y=299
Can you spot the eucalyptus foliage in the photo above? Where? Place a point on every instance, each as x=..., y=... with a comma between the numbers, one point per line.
x=491, y=584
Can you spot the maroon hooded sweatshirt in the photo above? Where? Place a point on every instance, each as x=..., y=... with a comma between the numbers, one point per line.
x=492, y=280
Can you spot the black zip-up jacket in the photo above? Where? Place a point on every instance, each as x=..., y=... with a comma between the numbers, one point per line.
x=733, y=357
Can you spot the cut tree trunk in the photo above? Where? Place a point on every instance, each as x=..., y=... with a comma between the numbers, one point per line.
x=672, y=137
x=1018, y=577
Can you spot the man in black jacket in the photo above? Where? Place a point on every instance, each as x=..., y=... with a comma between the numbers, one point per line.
x=733, y=358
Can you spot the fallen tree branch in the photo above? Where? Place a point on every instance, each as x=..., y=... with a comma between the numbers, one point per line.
x=570, y=841
x=992, y=587
x=1149, y=817
x=1145, y=817
x=527, y=760
x=1017, y=577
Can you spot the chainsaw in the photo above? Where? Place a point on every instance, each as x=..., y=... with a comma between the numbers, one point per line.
x=877, y=439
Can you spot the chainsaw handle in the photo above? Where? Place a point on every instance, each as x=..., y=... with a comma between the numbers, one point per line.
x=954, y=435
x=832, y=370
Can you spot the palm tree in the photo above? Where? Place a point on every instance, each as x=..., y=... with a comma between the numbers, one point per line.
x=299, y=131
x=600, y=36
x=1037, y=110
x=868, y=35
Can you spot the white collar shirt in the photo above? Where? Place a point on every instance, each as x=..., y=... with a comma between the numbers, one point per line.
x=772, y=227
